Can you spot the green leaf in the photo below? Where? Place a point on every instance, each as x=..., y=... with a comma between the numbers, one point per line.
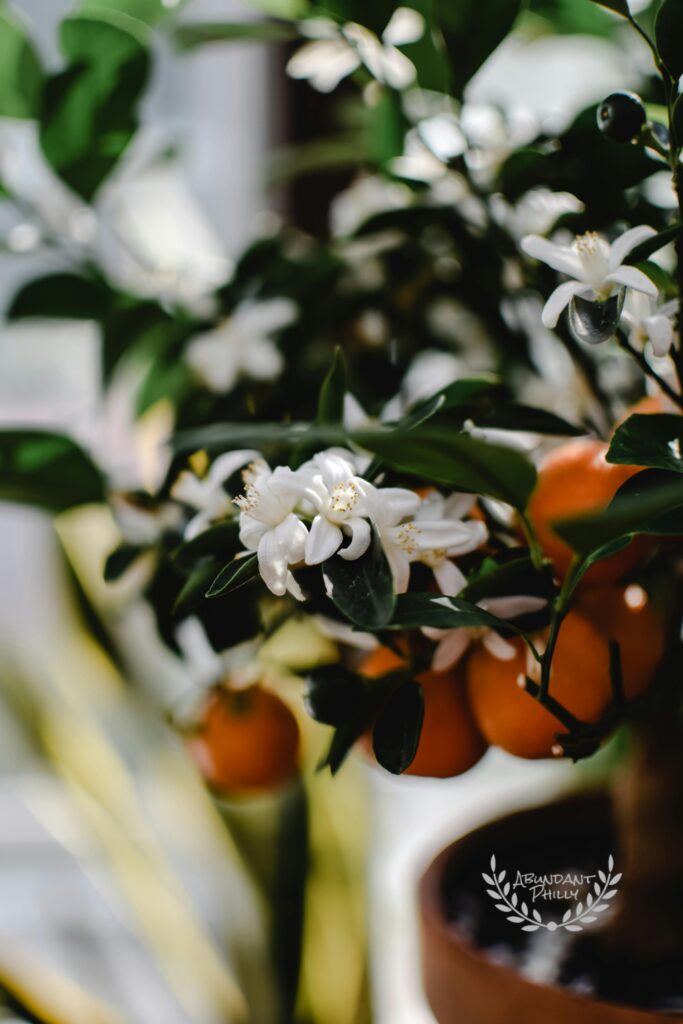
x=668, y=35
x=439, y=455
x=88, y=112
x=374, y=16
x=333, y=694
x=472, y=30
x=61, y=296
x=219, y=540
x=47, y=470
x=515, y=416
x=193, y=591
x=150, y=11
x=517, y=575
x=396, y=734
x=331, y=399
x=189, y=36
x=647, y=503
x=654, y=441
x=415, y=611
x=618, y=6
x=21, y=76
x=455, y=460
x=363, y=589
x=234, y=575
x=646, y=249
x=120, y=560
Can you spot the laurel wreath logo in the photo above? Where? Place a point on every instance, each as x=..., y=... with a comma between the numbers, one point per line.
x=585, y=912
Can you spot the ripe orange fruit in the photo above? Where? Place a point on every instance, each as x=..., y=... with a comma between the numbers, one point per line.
x=575, y=480
x=648, y=405
x=450, y=742
x=247, y=741
x=628, y=616
x=511, y=718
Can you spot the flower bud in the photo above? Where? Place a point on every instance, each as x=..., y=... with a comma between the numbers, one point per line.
x=594, y=322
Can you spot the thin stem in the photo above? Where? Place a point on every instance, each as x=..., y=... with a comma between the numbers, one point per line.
x=649, y=370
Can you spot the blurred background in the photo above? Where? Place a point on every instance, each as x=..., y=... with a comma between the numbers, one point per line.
x=122, y=895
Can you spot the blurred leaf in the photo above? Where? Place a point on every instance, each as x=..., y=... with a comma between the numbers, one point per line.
x=376, y=692
x=331, y=399
x=396, y=734
x=234, y=575
x=333, y=694
x=189, y=36
x=428, y=53
x=120, y=560
x=515, y=416
x=374, y=16
x=472, y=30
x=47, y=470
x=363, y=589
x=193, y=591
x=654, y=441
x=61, y=296
x=149, y=11
x=650, y=503
x=677, y=123
x=516, y=575
x=89, y=109
x=618, y=6
x=21, y=75
x=668, y=34
x=220, y=539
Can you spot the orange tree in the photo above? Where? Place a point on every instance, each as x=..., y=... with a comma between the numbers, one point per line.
x=333, y=458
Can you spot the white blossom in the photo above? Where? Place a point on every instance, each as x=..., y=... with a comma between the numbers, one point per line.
x=207, y=494
x=595, y=267
x=269, y=526
x=330, y=485
x=410, y=530
x=241, y=346
x=650, y=323
x=334, y=54
x=474, y=533
x=452, y=643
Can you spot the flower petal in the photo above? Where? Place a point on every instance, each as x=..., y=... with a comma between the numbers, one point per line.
x=631, y=277
x=323, y=540
x=559, y=300
x=292, y=535
x=392, y=504
x=272, y=564
x=399, y=563
x=449, y=578
x=498, y=647
x=512, y=607
x=627, y=242
x=293, y=588
x=660, y=331
x=559, y=257
x=360, y=539
x=451, y=649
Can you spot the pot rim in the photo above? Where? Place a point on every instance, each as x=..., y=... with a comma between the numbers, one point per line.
x=432, y=915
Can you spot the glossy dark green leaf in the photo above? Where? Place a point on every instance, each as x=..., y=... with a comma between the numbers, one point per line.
x=396, y=733
x=415, y=611
x=61, y=296
x=668, y=35
x=21, y=76
x=455, y=460
x=89, y=110
x=120, y=560
x=650, y=502
x=331, y=399
x=516, y=575
x=654, y=441
x=192, y=594
x=527, y=418
x=471, y=31
x=190, y=36
x=333, y=694
x=362, y=590
x=646, y=249
x=234, y=575
x=618, y=6
x=47, y=470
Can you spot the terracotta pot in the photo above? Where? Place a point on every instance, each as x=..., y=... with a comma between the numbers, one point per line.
x=463, y=985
